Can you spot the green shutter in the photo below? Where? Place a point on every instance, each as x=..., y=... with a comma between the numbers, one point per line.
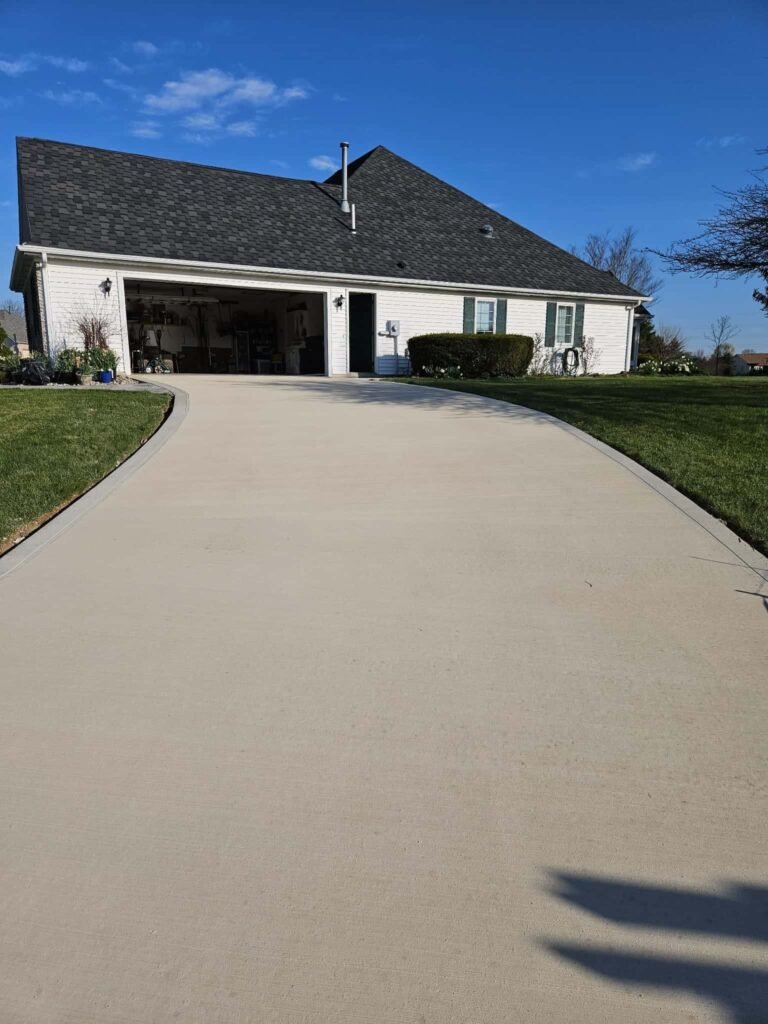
x=469, y=316
x=501, y=316
x=549, y=332
x=578, y=326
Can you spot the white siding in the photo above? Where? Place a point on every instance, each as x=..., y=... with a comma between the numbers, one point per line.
x=427, y=312
x=419, y=313
x=73, y=290
x=73, y=286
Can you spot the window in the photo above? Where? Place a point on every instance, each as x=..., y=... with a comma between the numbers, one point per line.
x=484, y=316
x=564, y=328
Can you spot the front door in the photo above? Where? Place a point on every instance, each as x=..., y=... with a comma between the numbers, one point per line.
x=362, y=339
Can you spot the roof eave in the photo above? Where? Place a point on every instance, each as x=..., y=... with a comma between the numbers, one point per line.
x=23, y=261
x=324, y=275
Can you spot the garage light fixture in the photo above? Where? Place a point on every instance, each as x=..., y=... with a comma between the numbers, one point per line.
x=106, y=286
x=338, y=301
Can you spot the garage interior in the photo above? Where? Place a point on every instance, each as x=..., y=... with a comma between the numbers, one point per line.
x=195, y=329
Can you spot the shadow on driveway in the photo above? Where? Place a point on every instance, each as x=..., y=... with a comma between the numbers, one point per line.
x=737, y=912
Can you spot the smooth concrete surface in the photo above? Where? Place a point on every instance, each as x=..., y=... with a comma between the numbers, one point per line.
x=360, y=703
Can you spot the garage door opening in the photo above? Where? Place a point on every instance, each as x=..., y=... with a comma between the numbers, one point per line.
x=193, y=329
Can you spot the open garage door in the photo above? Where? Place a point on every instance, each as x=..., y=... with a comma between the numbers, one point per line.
x=176, y=328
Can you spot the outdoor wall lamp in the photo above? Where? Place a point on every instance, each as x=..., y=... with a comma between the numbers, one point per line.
x=106, y=286
x=338, y=301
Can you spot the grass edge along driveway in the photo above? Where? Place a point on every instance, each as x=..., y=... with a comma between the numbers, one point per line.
x=55, y=444
x=706, y=436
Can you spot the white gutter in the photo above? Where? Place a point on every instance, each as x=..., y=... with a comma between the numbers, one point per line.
x=320, y=276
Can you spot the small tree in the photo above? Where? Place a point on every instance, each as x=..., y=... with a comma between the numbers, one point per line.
x=590, y=355
x=720, y=333
x=664, y=343
x=95, y=328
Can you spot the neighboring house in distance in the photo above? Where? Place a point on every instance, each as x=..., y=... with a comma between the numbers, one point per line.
x=16, y=330
x=217, y=270
x=749, y=362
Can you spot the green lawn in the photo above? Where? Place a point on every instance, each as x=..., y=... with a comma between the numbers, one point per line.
x=707, y=436
x=55, y=444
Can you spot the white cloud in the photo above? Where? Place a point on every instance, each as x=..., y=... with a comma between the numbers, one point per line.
x=202, y=122
x=145, y=48
x=197, y=138
x=721, y=141
x=30, y=61
x=242, y=128
x=190, y=90
x=145, y=130
x=279, y=163
x=71, y=97
x=295, y=92
x=67, y=63
x=193, y=89
x=257, y=91
x=129, y=90
x=323, y=163
x=338, y=98
x=638, y=162
x=16, y=67
x=120, y=66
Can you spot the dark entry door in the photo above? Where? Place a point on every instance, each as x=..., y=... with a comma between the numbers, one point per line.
x=361, y=332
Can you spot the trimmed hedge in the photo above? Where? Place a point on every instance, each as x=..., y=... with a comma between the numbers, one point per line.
x=470, y=355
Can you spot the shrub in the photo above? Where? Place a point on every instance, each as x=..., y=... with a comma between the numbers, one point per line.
x=9, y=360
x=680, y=364
x=102, y=359
x=68, y=360
x=470, y=355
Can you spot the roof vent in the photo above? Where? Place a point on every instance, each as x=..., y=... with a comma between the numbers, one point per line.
x=402, y=264
x=487, y=230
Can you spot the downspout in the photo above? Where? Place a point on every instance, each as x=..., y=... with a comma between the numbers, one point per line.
x=630, y=333
x=46, y=305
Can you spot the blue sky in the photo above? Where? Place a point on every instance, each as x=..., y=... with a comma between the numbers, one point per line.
x=567, y=117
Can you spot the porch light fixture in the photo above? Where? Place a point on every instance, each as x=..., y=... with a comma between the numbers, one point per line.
x=106, y=286
x=338, y=301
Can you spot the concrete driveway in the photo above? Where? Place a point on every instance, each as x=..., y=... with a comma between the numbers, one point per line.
x=362, y=703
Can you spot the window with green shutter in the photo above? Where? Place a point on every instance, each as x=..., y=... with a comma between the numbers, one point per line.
x=469, y=316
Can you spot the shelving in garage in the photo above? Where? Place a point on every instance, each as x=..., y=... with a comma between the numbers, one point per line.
x=196, y=329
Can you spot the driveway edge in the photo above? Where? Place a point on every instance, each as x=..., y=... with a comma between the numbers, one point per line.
x=750, y=557
x=44, y=535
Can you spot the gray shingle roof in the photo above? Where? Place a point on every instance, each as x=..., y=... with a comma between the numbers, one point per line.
x=411, y=225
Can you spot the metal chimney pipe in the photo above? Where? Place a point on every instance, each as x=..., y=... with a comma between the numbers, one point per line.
x=344, y=181
x=353, y=224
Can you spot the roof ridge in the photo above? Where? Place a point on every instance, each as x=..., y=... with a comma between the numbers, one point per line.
x=161, y=159
x=356, y=164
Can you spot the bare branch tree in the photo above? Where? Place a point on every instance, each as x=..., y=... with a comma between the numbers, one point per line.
x=734, y=243
x=12, y=305
x=590, y=355
x=720, y=333
x=621, y=258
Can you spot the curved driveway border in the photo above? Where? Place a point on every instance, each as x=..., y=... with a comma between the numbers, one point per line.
x=44, y=535
x=715, y=527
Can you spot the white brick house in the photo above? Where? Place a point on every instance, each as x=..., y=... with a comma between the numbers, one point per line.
x=214, y=270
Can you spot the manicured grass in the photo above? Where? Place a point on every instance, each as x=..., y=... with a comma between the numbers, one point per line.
x=55, y=444
x=707, y=436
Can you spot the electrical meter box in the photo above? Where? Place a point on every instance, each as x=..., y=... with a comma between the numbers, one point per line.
x=393, y=326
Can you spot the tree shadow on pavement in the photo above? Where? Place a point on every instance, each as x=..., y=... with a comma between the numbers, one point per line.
x=736, y=912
